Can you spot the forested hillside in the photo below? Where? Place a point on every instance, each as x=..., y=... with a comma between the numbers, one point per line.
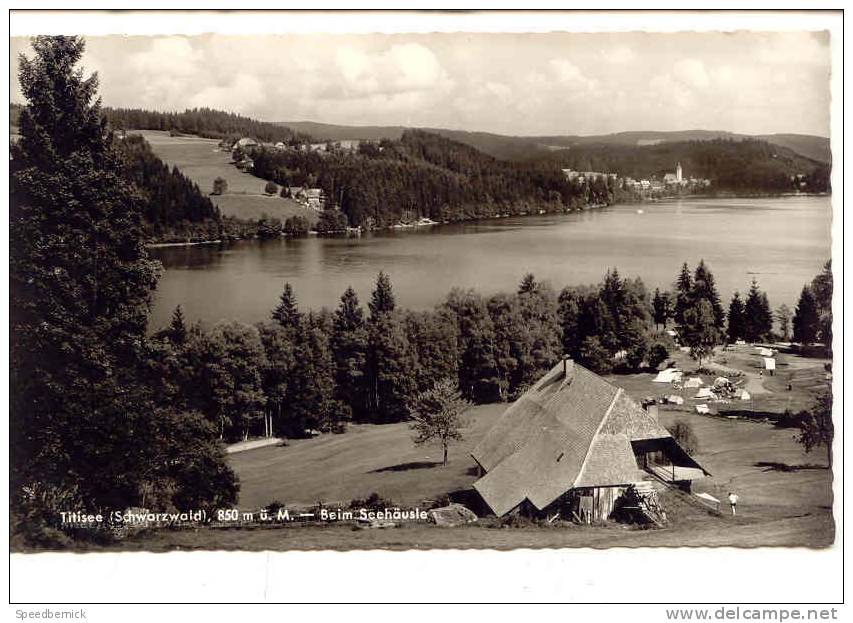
x=524, y=147
x=425, y=175
x=204, y=122
x=748, y=166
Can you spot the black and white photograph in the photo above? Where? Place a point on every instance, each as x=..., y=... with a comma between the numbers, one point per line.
x=459, y=287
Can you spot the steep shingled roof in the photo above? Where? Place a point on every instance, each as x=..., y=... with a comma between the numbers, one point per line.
x=568, y=430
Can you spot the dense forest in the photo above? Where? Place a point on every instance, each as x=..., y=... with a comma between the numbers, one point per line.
x=204, y=122
x=742, y=166
x=425, y=175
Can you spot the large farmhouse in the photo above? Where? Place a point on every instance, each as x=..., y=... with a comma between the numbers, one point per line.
x=574, y=443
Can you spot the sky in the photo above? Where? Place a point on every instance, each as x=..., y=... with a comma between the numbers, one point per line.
x=517, y=84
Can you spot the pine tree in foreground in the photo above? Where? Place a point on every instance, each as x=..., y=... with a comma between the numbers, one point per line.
x=83, y=425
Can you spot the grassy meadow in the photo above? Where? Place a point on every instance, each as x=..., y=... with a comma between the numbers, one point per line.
x=202, y=161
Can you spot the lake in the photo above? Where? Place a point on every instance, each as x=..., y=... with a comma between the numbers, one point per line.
x=782, y=242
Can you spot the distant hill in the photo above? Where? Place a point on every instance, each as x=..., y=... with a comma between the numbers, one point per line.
x=814, y=147
x=743, y=165
x=331, y=132
x=523, y=147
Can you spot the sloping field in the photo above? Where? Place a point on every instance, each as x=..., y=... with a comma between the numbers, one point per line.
x=368, y=458
x=761, y=463
x=201, y=161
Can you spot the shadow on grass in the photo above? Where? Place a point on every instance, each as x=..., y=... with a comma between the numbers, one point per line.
x=771, y=466
x=404, y=467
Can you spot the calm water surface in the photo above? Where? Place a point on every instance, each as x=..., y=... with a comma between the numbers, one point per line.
x=781, y=242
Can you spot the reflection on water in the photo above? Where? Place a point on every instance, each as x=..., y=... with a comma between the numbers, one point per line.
x=782, y=242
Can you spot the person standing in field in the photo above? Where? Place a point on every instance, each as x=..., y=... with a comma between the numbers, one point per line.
x=733, y=502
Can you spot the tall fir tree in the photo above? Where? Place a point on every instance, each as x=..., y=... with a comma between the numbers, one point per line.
x=806, y=321
x=80, y=287
x=382, y=300
x=683, y=292
x=83, y=424
x=286, y=313
x=661, y=308
x=390, y=362
x=704, y=287
x=349, y=349
x=758, y=319
x=735, y=329
x=177, y=327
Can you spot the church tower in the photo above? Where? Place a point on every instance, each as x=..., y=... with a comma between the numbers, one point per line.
x=678, y=172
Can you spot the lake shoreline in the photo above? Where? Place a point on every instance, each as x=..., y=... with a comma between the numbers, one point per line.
x=242, y=280
x=357, y=231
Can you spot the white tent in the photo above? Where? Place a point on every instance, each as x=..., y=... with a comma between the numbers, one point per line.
x=694, y=381
x=764, y=352
x=703, y=409
x=769, y=363
x=704, y=392
x=667, y=376
x=674, y=399
x=744, y=395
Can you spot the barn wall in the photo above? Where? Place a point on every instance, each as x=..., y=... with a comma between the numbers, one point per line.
x=591, y=504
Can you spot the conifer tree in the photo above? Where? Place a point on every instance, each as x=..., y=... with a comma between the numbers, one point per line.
x=80, y=287
x=349, y=349
x=83, y=424
x=390, y=362
x=735, y=328
x=758, y=319
x=286, y=312
x=821, y=287
x=177, y=327
x=660, y=308
x=382, y=300
x=683, y=292
x=704, y=287
x=806, y=318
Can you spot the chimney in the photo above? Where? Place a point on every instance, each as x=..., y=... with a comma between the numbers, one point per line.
x=568, y=367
